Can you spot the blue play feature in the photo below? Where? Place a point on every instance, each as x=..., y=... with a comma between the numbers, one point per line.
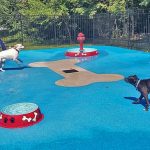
x=99, y=116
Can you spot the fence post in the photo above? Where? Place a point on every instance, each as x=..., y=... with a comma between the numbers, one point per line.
x=93, y=29
x=128, y=29
x=22, y=40
x=109, y=21
x=55, y=38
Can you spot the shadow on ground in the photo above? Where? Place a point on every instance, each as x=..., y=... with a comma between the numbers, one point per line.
x=17, y=68
x=134, y=99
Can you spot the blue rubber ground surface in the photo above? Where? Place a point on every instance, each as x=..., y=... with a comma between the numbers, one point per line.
x=93, y=117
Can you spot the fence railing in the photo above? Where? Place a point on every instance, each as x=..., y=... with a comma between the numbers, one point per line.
x=131, y=29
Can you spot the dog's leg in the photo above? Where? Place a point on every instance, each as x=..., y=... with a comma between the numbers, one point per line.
x=18, y=61
x=2, y=70
x=147, y=101
x=138, y=100
x=1, y=66
x=3, y=62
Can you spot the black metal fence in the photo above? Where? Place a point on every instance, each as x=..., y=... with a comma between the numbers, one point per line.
x=131, y=29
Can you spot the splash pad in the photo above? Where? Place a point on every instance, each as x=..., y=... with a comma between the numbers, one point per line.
x=82, y=52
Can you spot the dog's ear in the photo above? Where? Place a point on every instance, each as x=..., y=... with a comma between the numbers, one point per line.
x=136, y=77
x=15, y=46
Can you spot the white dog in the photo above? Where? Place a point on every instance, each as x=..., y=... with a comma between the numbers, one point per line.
x=10, y=54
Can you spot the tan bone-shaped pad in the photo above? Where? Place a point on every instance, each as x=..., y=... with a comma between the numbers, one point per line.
x=80, y=78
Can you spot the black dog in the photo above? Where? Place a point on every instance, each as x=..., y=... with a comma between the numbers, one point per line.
x=143, y=86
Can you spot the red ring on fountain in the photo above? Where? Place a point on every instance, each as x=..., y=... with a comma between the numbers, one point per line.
x=85, y=53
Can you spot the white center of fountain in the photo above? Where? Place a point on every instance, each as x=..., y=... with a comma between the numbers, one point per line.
x=84, y=50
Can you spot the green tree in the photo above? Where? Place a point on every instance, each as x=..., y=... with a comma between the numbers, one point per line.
x=9, y=20
x=42, y=13
x=68, y=7
x=145, y=3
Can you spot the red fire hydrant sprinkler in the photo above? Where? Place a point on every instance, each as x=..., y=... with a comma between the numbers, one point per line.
x=81, y=39
x=86, y=52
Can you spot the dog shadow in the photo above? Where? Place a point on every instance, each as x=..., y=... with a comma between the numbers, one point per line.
x=134, y=99
x=17, y=68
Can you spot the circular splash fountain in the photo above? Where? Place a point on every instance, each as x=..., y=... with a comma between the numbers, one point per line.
x=82, y=52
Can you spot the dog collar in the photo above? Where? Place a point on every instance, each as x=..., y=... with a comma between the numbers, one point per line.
x=17, y=50
x=137, y=83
